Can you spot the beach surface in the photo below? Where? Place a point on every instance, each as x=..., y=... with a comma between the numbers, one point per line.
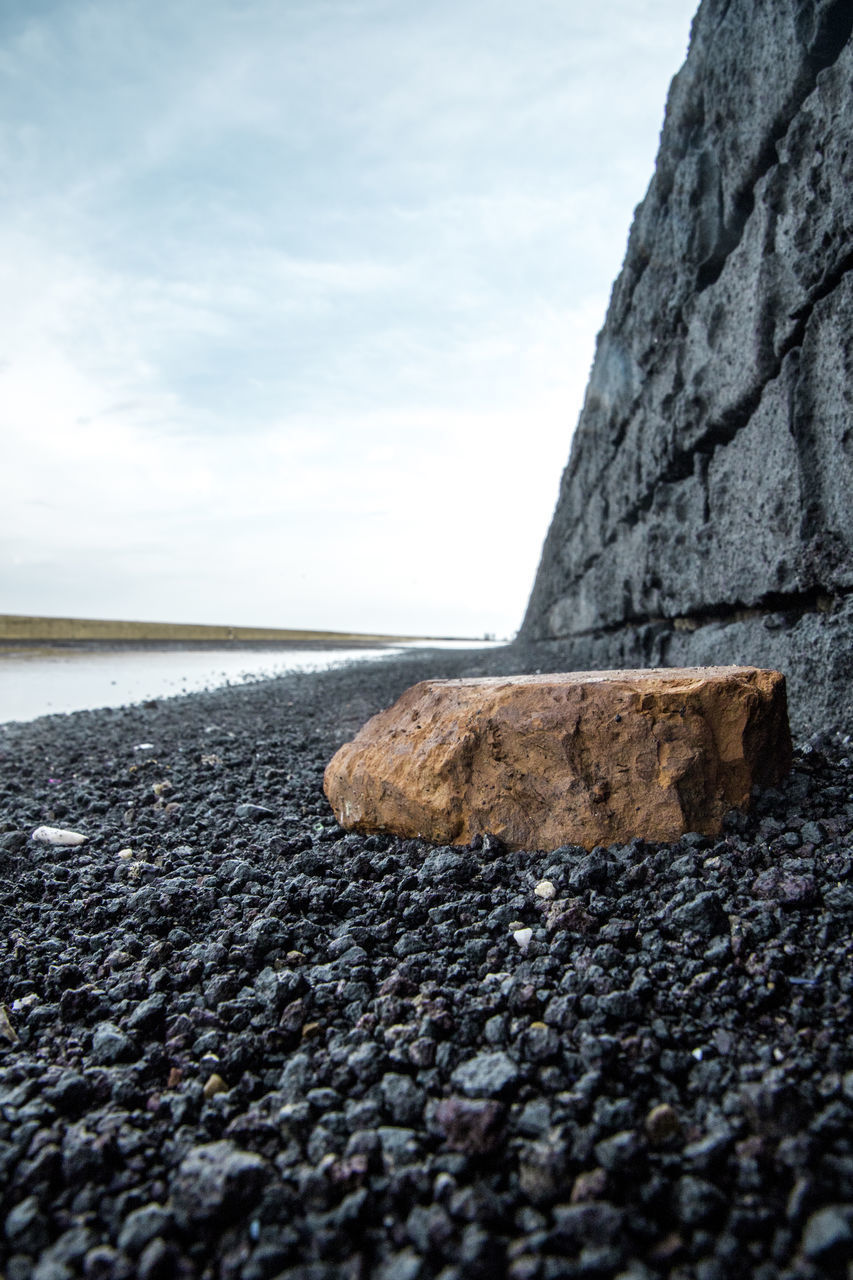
x=240, y=1042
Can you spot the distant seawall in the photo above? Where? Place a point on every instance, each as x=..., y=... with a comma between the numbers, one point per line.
x=705, y=514
x=21, y=629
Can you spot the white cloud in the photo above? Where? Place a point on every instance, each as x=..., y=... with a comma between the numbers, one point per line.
x=400, y=518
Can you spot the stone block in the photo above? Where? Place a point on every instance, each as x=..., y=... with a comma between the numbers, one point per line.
x=583, y=758
x=823, y=428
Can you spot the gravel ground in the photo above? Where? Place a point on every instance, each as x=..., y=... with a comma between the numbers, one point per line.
x=241, y=1043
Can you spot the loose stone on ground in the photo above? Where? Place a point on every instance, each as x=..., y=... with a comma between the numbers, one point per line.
x=584, y=758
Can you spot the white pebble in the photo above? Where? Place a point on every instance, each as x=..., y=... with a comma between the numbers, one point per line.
x=523, y=937
x=545, y=890
x=56, y=835
x=144, y=746
x=125, y=854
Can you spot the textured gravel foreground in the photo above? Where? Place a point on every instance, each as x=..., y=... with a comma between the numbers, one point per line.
x=241, y=1043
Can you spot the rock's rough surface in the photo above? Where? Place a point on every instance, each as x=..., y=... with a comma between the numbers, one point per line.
x=712, y=465
x=572, y=758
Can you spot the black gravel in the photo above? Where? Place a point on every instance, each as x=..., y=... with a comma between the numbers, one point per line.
x=241, y=1043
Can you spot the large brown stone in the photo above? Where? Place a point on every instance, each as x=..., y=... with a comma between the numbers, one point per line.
x=580, y=758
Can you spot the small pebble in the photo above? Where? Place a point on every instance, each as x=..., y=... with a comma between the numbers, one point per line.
x=662, y=1124
x=7, y=1031
x=58, y=836
x=215, y=1084
x=589, y=1185
x=545, y=890
x=523, y=937
x=253, y=812
x=25, y=1002
x=828, y=1233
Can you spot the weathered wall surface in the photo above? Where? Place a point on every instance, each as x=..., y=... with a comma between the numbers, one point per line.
x=708, y=491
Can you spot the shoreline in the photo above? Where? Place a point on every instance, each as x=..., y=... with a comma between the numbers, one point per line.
x=39, y=680
x=251, y=1044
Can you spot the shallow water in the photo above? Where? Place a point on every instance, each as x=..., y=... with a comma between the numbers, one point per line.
x=44, y=681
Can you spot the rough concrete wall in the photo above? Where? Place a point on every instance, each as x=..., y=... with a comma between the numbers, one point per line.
x=712, y=466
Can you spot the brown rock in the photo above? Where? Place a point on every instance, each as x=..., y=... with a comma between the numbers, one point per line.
x=580, y=758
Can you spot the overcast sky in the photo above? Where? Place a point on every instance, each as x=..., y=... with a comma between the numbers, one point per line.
x=298, y=298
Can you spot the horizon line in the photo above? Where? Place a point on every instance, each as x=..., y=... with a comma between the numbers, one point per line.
x=34, y=627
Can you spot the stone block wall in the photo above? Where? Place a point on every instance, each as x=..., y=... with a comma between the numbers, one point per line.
x=710, y=478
